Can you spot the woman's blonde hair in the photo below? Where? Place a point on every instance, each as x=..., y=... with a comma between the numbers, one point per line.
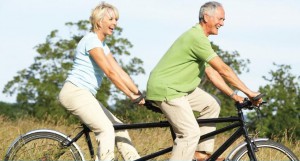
x=99, y=12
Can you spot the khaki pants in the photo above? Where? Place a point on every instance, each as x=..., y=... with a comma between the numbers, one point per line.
x=179, y=113
x=83, y=104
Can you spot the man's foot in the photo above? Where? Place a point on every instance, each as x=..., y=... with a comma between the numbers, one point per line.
x=203, y=156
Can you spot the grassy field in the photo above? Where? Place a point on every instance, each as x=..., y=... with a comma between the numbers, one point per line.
x=146, y=140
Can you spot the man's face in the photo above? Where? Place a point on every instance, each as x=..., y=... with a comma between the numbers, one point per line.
x=215, y=21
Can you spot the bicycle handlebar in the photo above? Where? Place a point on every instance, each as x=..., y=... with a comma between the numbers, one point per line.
x=247, y=104
x=258, y=97
x=137, y=100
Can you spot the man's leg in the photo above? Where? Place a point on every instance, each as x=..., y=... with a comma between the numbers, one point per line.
x=208, y=107
x=182, y=119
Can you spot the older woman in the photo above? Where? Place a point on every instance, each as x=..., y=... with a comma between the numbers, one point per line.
x=93, y=59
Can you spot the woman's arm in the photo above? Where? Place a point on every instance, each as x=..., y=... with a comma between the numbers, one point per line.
x=103, y=62
x=124, y=76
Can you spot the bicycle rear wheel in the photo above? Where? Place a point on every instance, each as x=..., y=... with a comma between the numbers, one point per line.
x=267, y=150
x=43, y=145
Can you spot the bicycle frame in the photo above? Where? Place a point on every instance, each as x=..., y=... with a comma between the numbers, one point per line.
x=236, y=121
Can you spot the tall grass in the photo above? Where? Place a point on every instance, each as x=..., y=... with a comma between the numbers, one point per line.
x=145, y=140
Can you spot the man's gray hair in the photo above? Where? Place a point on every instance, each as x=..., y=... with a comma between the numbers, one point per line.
x=208, y=8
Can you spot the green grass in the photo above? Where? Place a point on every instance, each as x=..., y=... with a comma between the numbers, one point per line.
x=145, y=140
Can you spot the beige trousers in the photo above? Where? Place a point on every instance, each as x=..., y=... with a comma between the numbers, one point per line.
x=83, y=104
x=179, y=113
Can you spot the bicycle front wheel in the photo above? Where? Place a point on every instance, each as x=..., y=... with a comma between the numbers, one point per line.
x=43, y=145
x=267, y=150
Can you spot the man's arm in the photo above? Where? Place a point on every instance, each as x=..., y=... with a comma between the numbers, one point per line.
x=228, y=75
x=219, y=82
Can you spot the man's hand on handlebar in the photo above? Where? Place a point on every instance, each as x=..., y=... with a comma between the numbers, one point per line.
x=255, y=100
x=238, y=98
x=250, y=104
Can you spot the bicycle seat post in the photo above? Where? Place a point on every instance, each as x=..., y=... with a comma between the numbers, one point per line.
x=87, y=131
x=172, y=133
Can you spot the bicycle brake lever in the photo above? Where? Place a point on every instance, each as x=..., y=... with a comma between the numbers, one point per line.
x=262, y=103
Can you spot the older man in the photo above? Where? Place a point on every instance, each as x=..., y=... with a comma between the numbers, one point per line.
x=173, y=84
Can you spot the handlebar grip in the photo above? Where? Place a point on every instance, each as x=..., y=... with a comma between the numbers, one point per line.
x=256, y=98
x=138, y=99
x=245, y=103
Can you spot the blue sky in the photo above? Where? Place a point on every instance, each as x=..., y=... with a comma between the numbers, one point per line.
x=262, y=31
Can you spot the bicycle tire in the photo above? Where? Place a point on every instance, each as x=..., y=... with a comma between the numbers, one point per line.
x=267, y=150
x=43, y=145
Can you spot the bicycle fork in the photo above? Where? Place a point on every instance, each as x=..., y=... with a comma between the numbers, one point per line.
x=250, y=145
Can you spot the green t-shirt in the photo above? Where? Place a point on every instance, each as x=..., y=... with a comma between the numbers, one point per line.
x=180, y=70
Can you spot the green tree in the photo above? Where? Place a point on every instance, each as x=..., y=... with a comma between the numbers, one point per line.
x=281, y=114
x=38, y=85
x=11, y=110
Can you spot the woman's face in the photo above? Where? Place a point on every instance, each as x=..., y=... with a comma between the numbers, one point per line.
x=108, y=23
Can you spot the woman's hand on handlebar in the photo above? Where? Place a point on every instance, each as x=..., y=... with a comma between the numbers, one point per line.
x=138, y=98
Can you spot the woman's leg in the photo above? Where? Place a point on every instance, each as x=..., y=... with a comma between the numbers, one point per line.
x=83, y=104
x=123, y=141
